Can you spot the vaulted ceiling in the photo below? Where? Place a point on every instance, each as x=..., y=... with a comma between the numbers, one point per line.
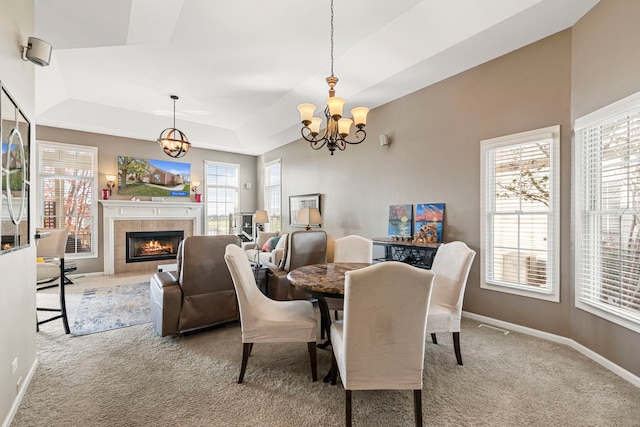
x=241, y=67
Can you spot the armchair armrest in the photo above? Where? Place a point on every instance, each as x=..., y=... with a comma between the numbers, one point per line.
x=166, y=303
x=276, y=256
x=280, y=288
x=248, y=245
x=278, y=284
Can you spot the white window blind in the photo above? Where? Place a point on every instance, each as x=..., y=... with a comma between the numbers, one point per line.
x=67, y=194
x=221, y=182
x=607, y=214
x=273, y=194
x=520, y=213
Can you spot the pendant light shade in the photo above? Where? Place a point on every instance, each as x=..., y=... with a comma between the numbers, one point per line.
x=173, y=141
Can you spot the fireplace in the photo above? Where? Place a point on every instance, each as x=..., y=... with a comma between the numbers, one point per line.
x=152, y=245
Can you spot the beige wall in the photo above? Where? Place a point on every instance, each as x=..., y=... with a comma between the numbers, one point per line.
x=110, y=147
x=17, y=269
x=434, y=156
x=606, y=68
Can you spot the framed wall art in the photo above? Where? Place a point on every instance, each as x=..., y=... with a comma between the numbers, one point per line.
x=429, y=221
x=400, y=220
x=303, y=201
x=15, y=134
x=153, y=178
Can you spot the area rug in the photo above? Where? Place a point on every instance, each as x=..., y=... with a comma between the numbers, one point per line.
x=104, y=309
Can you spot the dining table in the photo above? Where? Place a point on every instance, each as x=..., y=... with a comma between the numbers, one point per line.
x=322, y=281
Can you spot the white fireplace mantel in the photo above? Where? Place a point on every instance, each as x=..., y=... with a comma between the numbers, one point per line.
x=116, y=210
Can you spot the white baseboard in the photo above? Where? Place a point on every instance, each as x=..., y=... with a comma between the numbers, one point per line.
x=618, y=370
x=20, y=396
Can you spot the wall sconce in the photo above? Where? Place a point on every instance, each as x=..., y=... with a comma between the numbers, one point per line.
x=194, y=188
x=111, y=182
x=37, y=51
x=309, y=216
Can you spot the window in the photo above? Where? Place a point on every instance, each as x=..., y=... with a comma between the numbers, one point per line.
x=273, y=194
x=520, y=214
x=607, y=212
x=67, y=175
x=221, y=190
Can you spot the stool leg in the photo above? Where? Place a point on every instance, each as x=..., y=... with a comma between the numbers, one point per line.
x=63, y=300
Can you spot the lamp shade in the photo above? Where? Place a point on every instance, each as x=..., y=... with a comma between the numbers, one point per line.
x=261, y=217
x=111, y=178
x=309, y=216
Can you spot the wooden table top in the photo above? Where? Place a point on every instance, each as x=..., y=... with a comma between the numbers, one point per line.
x=323, y=278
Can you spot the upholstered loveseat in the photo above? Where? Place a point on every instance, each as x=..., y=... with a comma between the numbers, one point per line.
x=269, y=255
x=200, y=293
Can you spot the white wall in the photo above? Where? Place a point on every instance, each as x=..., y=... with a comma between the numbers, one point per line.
x=17, y=269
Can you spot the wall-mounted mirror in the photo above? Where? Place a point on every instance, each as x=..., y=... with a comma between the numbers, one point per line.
x=14, y=209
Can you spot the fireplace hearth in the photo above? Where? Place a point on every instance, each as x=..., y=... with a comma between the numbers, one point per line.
x=145, y=246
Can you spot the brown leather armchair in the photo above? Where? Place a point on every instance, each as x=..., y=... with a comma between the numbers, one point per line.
x=303, y=248
x=200, y=293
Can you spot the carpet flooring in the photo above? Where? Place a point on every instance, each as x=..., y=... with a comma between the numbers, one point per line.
x=103, y=309
x=132, y=377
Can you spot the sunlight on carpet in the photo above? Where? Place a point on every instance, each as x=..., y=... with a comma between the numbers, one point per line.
x=104, y=309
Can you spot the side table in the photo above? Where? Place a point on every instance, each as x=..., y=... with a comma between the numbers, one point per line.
x=260, y=274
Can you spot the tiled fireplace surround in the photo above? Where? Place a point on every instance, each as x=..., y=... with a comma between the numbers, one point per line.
x=122, y=216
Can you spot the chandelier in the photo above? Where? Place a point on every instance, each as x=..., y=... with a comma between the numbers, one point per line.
x=173, y=141
x=337, y=128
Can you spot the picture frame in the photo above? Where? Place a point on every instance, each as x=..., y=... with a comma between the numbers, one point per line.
x=400, y=221
x=15, y=137
x=153, y=178
x=303, y=201
x=429, y=221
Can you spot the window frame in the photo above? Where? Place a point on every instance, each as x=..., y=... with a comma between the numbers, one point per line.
x=275, y=219
x=93, y=196
x=606, y=116
x=552, y=292
x=208, y=185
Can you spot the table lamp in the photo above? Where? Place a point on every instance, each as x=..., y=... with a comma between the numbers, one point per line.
x=308, y=216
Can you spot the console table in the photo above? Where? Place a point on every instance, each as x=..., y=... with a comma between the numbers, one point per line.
x=417, y=254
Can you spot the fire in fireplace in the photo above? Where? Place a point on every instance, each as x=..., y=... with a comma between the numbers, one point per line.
x=152, y=245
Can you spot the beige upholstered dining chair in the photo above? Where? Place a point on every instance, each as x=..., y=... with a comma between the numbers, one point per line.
x=451, y=265
x=264, y=320
x=352, y=248
x=51, y=250
x=380, y=342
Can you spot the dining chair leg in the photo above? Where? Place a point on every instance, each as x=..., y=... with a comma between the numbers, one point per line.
x=314, y=361
x=334, y=369
x=417, y=405
x=246, y=351
x=456, y=347
x=347, y=398
x=434, y=339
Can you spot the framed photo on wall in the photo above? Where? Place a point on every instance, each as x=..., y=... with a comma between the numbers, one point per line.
x=302, y=201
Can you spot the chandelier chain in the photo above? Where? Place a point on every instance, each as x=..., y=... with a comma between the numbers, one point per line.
x=332, y=37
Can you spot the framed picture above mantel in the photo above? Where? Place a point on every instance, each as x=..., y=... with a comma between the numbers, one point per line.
x=303, y=201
